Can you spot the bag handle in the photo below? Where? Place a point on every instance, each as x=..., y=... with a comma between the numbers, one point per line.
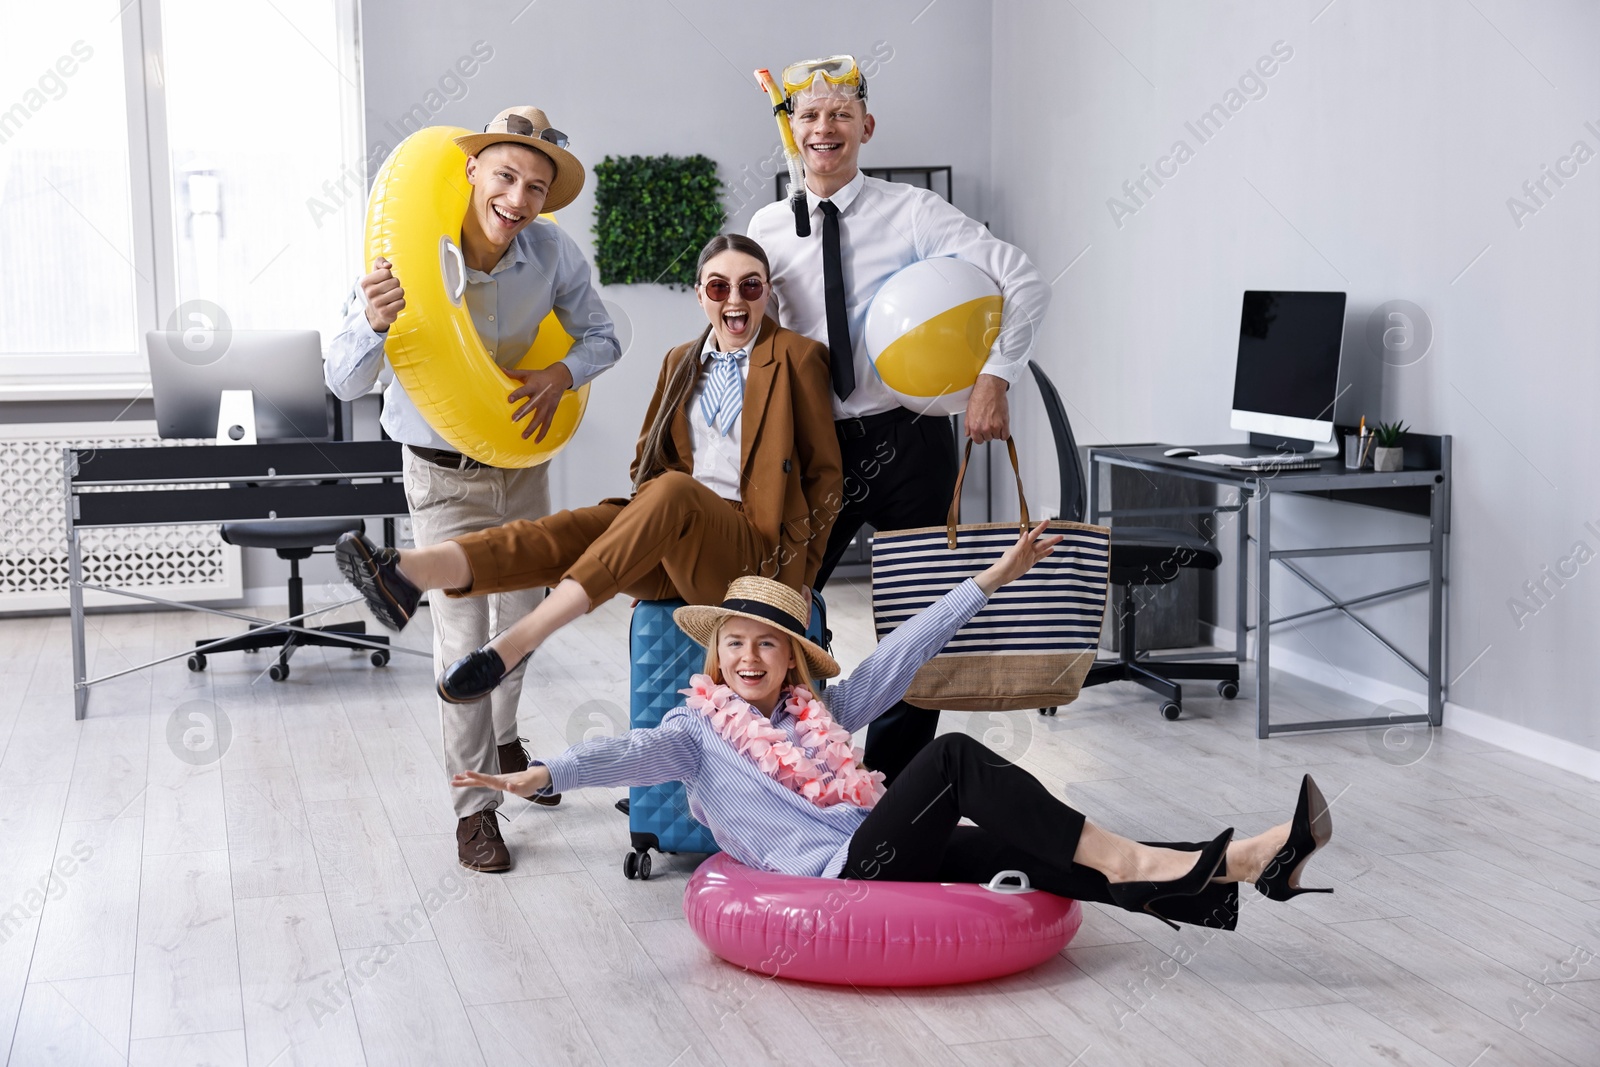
x=954, y=518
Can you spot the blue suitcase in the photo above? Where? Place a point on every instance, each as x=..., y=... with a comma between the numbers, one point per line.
x=663, y=658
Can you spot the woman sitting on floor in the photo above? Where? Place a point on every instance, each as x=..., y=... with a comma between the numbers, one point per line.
x=736, y=472
x=773, y=774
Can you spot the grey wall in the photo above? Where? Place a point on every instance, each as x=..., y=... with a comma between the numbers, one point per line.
x=1379, y=161
x=647, y=79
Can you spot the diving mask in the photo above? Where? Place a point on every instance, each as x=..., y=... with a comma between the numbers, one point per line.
x=835, y=70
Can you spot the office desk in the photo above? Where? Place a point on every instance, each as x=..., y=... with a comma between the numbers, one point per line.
x=1423, y=488
x=210, y=484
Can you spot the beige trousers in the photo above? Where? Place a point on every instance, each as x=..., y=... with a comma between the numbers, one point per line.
x=445, y=504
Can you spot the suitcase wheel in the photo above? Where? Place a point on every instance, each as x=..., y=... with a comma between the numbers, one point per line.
x=636, y=865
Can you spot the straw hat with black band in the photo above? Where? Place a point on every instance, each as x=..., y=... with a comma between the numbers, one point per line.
x=529, y=126
x=763, y=600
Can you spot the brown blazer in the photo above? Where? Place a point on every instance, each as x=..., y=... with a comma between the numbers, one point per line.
x=791, y=478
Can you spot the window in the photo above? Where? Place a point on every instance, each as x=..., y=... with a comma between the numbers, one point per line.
x=66, y=225
x=166, y=163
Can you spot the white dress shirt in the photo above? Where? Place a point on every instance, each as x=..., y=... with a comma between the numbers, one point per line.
x=543, y=271
x=717, y=456
x=884, y=226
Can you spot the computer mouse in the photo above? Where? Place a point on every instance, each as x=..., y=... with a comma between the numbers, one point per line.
x=1181, y=453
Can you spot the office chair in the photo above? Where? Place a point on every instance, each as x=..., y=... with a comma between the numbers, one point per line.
x=294, y=540
x=1140, y=556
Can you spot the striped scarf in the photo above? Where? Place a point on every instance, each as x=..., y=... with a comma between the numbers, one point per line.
x=723, y=397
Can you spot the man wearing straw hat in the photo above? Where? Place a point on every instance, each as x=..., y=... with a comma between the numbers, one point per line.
x=520, y=268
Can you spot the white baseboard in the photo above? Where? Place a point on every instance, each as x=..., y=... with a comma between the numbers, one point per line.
x=1566, y=755
x=1469, y=722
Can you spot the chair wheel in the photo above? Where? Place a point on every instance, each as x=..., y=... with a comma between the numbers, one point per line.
x=1227, y=690
x=1047, y=711
x=1171, y=711
x=644, y=866
x=278, y=672
x=380, y=658
x=630, y=866
x=197, y=661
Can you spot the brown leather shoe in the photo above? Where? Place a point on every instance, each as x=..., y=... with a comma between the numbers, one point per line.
x=479, y=845
x=514, y=758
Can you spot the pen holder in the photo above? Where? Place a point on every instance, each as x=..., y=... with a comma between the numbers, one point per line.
x=1353, y=459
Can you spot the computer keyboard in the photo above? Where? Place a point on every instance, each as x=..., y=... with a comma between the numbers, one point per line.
x=1276, y=462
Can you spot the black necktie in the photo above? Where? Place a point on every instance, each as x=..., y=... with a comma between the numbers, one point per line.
x=841, y=353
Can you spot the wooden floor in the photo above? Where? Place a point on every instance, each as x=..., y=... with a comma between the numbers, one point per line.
x=297, y=900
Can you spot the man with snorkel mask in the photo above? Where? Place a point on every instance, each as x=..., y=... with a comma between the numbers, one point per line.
x=857, y=232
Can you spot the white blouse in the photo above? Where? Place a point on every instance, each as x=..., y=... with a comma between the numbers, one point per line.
x=717, y=458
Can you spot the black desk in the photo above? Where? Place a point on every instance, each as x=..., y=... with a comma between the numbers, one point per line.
x=208, y=483
x=1423, y=488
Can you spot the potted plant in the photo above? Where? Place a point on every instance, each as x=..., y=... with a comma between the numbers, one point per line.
x=1387, y=453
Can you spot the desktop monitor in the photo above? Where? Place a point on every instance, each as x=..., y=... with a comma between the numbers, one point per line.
x=282, y=369
x=1287, y=375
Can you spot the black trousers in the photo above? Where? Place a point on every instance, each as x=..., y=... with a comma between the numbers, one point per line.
x=897, y=476
x=913, y=834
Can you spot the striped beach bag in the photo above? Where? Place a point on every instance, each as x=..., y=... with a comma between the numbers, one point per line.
x=1034, y=641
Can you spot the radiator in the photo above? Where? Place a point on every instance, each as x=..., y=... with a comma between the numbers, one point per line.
x=189, y=563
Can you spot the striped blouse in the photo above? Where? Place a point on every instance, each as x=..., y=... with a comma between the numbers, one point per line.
x=754, y=819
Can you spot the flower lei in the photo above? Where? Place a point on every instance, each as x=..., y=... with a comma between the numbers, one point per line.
x=822, y=767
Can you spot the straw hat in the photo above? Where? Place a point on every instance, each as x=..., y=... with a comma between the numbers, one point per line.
x=763, y=600
x=529, y=126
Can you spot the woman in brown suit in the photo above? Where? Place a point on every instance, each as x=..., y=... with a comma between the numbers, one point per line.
x=737, y=472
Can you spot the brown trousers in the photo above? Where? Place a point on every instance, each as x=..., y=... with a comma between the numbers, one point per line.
x=675, y=538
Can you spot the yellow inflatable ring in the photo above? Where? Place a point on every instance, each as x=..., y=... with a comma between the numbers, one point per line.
x=414, y=221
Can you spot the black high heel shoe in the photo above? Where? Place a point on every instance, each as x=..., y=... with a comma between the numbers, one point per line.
x=1311, y=829
x=1138, y=896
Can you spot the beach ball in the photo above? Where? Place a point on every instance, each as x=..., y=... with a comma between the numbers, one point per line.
x=929, y=330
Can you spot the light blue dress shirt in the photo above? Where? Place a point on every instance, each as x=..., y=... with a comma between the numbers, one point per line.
x=542, y=271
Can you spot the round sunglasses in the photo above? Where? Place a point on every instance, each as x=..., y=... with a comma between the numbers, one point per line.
x=719, y=289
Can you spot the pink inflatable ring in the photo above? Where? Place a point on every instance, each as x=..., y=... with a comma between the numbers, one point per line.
x=864, y=933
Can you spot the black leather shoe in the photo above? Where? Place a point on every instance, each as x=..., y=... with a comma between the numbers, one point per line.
x=473, y=676
x=375, y=572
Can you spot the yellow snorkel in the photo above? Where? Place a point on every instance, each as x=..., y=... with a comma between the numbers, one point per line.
x=791, y=153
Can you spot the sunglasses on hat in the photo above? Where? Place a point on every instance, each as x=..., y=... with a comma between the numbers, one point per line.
x=522, y=126
x=719, y=290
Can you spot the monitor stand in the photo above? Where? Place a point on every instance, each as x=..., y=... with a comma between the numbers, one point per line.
x=236, y=417
x=1294, y=446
